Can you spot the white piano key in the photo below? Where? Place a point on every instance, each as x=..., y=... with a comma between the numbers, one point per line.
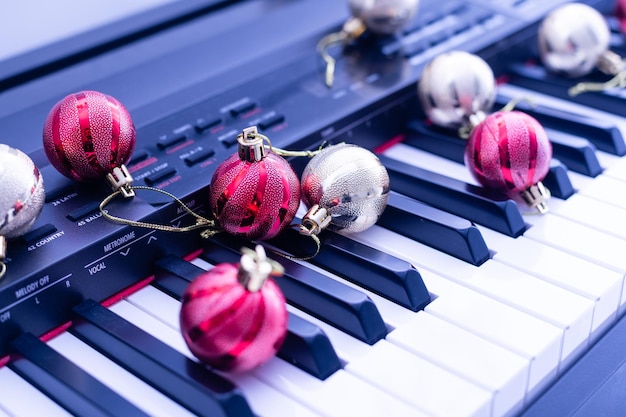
x=586, y=210
x=20, y=399
x=342, y=394
x=263, y=400
x=4, y=413
x=579, y=240
x=115, y=377
x=615, y=166
x=600, y=285
x=419, y=382
x=503, y=373
x=607, y=189
x=157, y=304
x=571, y=312
x=519, y=332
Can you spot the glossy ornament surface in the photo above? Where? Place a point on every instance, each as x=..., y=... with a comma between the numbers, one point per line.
x=454, y=86
x=255, y=197
x=350, y=183
x=22, y=192
x=88, y=134
x=229, y=326
x=384, y=17
x=620, y=13
x=509, y=151
x=572, y=39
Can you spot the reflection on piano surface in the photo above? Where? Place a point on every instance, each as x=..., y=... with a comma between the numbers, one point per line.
x=454, y=304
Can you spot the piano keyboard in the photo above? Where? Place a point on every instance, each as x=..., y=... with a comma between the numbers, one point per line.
x=456, y=304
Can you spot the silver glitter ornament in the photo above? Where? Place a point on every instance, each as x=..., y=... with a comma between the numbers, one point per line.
x=22, y=193
x=573, y=39
x=384, y=17
x=345, y=187
x=454, y=86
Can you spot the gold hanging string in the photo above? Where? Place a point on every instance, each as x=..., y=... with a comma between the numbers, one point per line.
x=287, y=153
x=303, y=231
x=201, y=222
x=352, y=29
x=618, y=81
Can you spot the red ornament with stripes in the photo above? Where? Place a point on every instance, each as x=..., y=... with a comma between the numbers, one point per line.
x=229, y=327
x=255, y=200
x=87, y=134
x=509, y=151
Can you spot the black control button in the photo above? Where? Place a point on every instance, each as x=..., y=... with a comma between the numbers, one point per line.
x=229, y=139
x=138, y=156
x=39, y=233
x=199, y=157
x=271, y=121
x=203, y=124
x=84, y=211
x=167, y=141
x=160, y=175
x=242, y=108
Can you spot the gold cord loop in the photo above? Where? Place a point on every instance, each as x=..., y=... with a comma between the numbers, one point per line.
x=352, y=29
x=618, y=81
x=279, y=151
x=201, y=222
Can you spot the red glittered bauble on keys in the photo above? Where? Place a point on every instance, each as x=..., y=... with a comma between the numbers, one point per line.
x=255, y=193
x=509, y=151
x=234, y=317
x=88, y=134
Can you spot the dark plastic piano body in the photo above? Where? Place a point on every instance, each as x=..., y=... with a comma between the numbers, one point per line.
x=225, y=76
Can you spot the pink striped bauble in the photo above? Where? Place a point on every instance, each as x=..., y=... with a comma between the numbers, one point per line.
x=255, y=200
x=509, y=151
x=87, y=134
x=229, y=327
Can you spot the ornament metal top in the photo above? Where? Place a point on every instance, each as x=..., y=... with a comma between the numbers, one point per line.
x=507, y=151
x=345, y=187
x=573, y=41
x=381, y=17
x=454, y=87
x=22, y=196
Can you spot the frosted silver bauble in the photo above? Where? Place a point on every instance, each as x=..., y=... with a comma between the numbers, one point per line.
x=350, y=183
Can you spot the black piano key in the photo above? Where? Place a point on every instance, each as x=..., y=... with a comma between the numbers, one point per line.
x=379, y=272
x=436, y=228
x=306, y=345
x=575, y=152
x=331, y=301
x=536, y=78
x=558, y=182
x=578, y=154
x=477, y=204
x=65, y=382
x=183, y=380
x=605, y=135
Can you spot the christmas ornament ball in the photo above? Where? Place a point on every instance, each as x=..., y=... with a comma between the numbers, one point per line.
x=572, y=38
x=620, y=13
x=350, y=183
x=229, y=327
x=22, y=192
x=87, y=134
x=508, y=152
x=454, y=86
x=255, y=200
x=384, y=17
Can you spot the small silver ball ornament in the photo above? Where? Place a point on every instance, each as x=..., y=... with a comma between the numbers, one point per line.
x=348, y=182
x=572, y=39
x=454, y=86
x=22, y=194
x=384, y=17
